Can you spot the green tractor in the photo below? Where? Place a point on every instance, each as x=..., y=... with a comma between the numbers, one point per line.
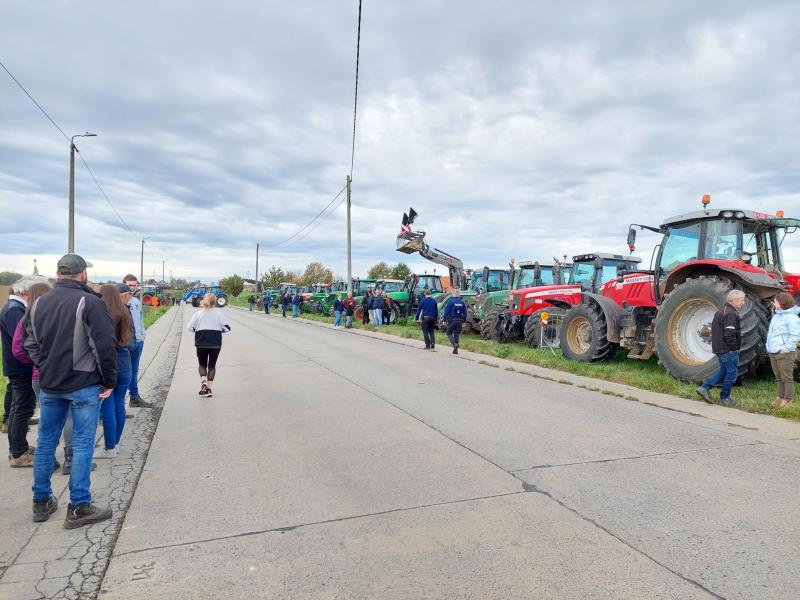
x=317, y=295
x=481, y=282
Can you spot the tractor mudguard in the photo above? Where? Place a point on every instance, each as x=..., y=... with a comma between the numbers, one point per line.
x=559, y=303
x=611, y=310
x=756, y=280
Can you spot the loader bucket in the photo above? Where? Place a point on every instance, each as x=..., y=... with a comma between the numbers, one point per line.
x=410, y=242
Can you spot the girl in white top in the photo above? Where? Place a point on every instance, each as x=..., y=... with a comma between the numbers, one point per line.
x=208, y=325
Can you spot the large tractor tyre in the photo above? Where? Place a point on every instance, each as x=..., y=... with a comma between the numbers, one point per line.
x=535, y=333
x=358, y=312
x=222, y=301
x=683, y=328
x=195, y=302
x=147, y=300
x=584, y=334
x=393, y=313
x=489, y=325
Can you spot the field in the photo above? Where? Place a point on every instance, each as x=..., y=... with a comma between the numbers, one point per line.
x=753, y=395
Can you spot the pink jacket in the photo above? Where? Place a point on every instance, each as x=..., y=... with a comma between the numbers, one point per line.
x=19, y=351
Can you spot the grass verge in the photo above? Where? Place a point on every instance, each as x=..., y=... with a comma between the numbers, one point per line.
x=754, y=395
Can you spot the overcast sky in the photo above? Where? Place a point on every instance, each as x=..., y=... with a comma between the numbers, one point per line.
x=515, y=129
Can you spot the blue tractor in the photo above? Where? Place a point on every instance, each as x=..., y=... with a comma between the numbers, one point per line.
x=195, y=295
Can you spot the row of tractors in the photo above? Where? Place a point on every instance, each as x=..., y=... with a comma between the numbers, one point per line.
x=599, y=302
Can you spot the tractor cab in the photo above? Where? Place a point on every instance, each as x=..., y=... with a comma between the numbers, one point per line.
x=361, y=286
x=415, y=286
x=745, y=244
x=591, y=271
x=490, y=280
x=390, y=285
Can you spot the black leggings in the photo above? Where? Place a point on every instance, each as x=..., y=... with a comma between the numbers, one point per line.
x=207, y=357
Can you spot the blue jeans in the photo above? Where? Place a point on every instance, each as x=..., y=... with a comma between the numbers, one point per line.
x=295, y=310
x=112, y=411
x=84, y=405
x=133, y=388
x=337, y=318
x=378, y=317
x=266, y=306
x=250, y=306
x=728, y=374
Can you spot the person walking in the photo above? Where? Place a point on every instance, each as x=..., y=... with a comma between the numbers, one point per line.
x=349, y=310
x=427, y=313
x=22, y=399
x=137, y=314
x=284, y=302
x=378, y=304
x=371, y=305
x=455, y=314
x=726, y=339
x=208, y=325
x=70, y=337
x=365, y=301
x=112, y=411
x=267, y=301
x=250, y=302
x=296, y=301
x=338, y=309
x=782, y=339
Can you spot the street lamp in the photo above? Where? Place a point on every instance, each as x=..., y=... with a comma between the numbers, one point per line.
x=72, y=149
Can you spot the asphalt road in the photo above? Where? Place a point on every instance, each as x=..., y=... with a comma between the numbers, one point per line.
x=334, y=465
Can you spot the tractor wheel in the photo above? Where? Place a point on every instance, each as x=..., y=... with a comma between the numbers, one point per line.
x=147, y=300
x=222, y=301
x=358, y=313
x=195, y=302
x=489, y=325
x=393, y=313
x=584, y=336
x=683, y=328
x=534, y=333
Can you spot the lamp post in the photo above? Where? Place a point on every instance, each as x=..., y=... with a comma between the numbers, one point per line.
x=72, y=149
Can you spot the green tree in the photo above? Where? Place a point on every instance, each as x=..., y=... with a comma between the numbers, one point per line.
x=401, y=271
x=232, y=285
x=9, y=277
x=380, y=271
x=316, y=272
x=273, y=277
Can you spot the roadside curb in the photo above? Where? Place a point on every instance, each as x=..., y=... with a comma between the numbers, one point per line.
x=764, y=424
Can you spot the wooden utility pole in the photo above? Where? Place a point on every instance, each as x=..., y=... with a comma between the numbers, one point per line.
x=349, y=242
x=257, y=280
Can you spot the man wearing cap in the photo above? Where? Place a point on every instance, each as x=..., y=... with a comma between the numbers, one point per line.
x=70, y=337
x=135, y=306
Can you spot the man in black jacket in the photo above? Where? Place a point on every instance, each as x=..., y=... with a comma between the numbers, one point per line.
x=726, y=339
x=70, y=337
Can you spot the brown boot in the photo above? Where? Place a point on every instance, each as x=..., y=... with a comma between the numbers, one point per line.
x=23, y=460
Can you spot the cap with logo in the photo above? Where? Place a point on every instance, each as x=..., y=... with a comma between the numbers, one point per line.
x=72, y=264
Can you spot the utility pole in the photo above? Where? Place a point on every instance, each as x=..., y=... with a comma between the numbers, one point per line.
x=349, y=243
x=163, y=262
x=141, y=266
x=257, y=246
x=72, y=150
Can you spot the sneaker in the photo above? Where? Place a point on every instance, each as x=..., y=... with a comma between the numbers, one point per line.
x=455, y=349
x=704, y=394
x=209, y=393
x=203, y=390
x=24, y=460
x=729, y=402
x=106, y=453
x=42, y=509
x=137, y=402
x=85, y=514
x=34, y=420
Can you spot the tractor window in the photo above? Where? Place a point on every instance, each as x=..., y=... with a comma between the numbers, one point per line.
x=477, y=280
x=582, y=274
x=392, y=286
x=526, y=277
x=497, y=281
x=680, y=246
x=433, y=283
x=723, y=239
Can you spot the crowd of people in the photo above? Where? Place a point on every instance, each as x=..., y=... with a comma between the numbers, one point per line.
x=77, y=352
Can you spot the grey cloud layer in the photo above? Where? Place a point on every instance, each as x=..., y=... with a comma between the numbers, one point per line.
x=516, y=129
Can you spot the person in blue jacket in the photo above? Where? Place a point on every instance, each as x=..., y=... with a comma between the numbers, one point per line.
x=782, y=339
x=427, y=313
x=378, y=304
x=455, y=314
x=296, y=301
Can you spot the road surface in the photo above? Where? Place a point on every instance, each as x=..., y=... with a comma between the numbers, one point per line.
x=334, y=465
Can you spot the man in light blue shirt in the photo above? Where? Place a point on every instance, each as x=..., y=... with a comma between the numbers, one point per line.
x=135, y=306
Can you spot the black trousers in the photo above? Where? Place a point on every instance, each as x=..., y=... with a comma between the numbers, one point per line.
x=7, y=402
x=428, y=325
x=454, y=330
x=23, y=403
x=207, y=357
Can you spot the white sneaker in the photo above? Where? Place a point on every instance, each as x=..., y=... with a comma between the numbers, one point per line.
x=103, y=453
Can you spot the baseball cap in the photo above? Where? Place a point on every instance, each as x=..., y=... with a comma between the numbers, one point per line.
x=123, y=288
x=73, y=263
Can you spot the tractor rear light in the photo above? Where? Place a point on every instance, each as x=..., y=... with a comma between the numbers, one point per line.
x=779, y=214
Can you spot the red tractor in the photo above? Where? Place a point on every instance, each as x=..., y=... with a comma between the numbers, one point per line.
x=668, y=309
x=522, y=320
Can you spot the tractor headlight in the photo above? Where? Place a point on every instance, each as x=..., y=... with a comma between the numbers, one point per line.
x=726, y=214
x=739, y=214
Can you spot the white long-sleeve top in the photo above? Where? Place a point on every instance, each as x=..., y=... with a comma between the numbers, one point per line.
x=208, y=325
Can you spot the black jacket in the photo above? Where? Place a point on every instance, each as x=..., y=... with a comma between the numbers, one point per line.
x=726, y=331
x=70, y=337
x=338, y=306
x=378, y=303
x=369, y=301
x=9, y=318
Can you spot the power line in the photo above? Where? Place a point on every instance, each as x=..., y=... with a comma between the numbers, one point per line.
x=311, y=222
x=66, y=137
x=355, y=101
x=312, y=229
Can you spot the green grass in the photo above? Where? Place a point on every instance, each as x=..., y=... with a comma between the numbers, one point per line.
x=754, y=395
